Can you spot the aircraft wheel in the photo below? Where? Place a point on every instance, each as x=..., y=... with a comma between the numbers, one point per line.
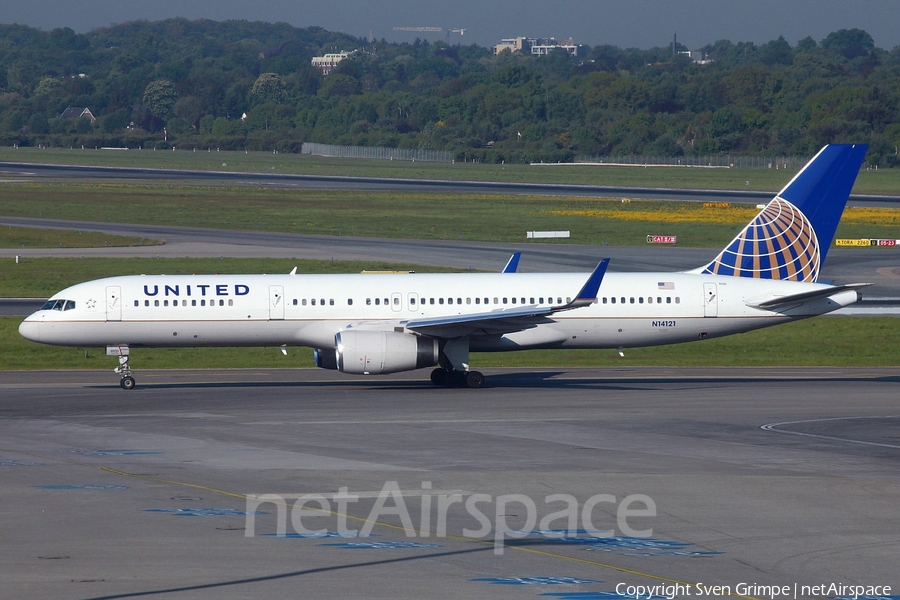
x=439, y=377
x=127, y=383
x=474, y=379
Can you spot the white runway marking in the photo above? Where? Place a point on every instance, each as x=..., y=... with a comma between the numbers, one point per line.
x=774, y=427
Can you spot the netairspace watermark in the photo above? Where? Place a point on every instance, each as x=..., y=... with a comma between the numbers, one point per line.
x=489, y=513
x=795, y=591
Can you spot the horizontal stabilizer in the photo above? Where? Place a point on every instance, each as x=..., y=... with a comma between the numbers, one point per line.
x=781, y=301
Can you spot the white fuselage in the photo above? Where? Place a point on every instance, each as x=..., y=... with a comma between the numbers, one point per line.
x=632, y=309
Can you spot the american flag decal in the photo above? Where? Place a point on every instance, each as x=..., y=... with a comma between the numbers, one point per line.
x=666, y=285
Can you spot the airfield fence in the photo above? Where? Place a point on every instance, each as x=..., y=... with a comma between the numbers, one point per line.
x=717, y=161
x=377, y=152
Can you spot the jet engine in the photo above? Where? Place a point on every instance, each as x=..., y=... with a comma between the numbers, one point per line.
x=379, y=352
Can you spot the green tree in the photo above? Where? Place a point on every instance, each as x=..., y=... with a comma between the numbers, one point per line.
x=851, y=43
x=269, y=87
x=159, y=97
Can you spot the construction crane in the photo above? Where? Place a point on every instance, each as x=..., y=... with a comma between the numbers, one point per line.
x=431, y=29
x=459, y=31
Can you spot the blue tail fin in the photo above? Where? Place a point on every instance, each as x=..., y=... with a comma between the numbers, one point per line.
x=790, y=237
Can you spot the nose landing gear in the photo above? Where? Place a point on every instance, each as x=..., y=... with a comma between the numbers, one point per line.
x=124, y=369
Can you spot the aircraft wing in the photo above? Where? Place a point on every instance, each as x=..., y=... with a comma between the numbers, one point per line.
x=783, y=301
x=508, y=320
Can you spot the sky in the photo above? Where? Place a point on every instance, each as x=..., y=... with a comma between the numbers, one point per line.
x=624, y=23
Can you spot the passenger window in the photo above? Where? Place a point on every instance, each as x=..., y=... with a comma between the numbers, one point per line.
x=541, y=300
x=469, y=301
x=459, y=300
x=431, y=301
x=604, y=300
x=295, y=302
x=203, y=303
x=184, y=302
x=440, y=300
x=532, y=300
x=641, y=300
x=331, y=302
x=650, y=300
x=668, y=299
x=613, y=299
x=449, y=300
x=568, y=299
x=559, y=300
x=313, y=302
x=146, y=303
x=193, y=303
x=412, y=301
x=504, y=301
x=659, y=299
x=487, y=301
x=513, y=300
x=349, y=301
x=230, y=302
x=368, y=302
x=496, y=300
x=156, y=303
x=477, y=300
x=165, y=302
x=137, y=303
x=677, y=299
x=221, y=303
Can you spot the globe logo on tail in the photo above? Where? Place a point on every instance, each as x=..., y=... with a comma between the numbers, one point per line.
x=780, y=243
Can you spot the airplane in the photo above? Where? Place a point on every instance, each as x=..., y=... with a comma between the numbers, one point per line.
x=388, y=323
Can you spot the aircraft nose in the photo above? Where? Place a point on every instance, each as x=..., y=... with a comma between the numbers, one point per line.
x=30, y=330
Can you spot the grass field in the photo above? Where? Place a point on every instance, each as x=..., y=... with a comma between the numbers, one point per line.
x=28, y=237
x=481, y=217
x=883, y=181
x=844, y=341
x=824, y=341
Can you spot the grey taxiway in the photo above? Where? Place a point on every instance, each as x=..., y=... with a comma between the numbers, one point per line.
x=765, y=476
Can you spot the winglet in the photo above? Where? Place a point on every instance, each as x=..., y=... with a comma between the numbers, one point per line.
x=513, y=263
x=588, y=293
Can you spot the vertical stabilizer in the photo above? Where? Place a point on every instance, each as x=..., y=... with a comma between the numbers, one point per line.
x=790, y=237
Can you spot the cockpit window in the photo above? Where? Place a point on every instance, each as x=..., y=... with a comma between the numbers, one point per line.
x=55, y=305
x=70, y=304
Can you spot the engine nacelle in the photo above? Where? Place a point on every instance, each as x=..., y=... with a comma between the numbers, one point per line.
x=378, y=352
x=325, y=358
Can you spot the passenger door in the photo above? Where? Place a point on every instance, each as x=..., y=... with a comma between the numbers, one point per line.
x=113, y=303
x=276, y=302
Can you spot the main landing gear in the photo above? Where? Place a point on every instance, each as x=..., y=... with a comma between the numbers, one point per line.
x=454, y=366
x=124, y=369
x=471, y=379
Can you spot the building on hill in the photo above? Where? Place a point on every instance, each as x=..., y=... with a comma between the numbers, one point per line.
x=327, y=63
x=538, y=46
x=697, y=57
x=77, y=113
